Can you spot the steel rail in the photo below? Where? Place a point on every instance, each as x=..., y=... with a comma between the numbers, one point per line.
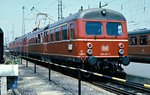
x=136, y=86
x=113, y=89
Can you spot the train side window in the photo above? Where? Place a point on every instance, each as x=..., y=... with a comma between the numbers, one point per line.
x=143, y=40
x=29, y=41
x=133, y=41
x=71, y=31
x=45, y=36
x=39, y=38
x=51, y=35
x=64, y=32
x=36, y=40
x=57, y=34
x=114, y=29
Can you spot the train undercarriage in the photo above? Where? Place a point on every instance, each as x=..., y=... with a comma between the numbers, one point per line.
x=106, y=66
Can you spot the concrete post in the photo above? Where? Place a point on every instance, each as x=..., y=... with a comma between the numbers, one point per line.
x=3, y=85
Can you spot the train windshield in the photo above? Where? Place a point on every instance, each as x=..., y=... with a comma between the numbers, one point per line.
x=114, y=29
x=94, y=28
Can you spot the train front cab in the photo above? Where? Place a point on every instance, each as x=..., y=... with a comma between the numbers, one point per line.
x=103, y=44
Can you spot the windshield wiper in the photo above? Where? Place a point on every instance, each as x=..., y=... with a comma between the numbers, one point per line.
x=94, y=37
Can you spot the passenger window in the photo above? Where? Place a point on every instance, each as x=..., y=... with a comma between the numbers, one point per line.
x=36, y=40
x=64, y=32
x=51, y=35
x=57, y=33
x=45, y=37
x=133, y=41
x=39, y=38
x=114, y=29
x=72, y=31
x=143, y=40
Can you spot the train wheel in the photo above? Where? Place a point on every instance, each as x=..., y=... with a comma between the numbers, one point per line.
x=97, y=67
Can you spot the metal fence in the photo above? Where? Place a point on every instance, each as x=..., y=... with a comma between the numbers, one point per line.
x=79, y=73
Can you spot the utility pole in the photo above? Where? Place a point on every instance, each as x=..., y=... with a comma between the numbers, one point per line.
x=7, y=37
x=60, y=11
x=23, y=21
x=13, y=31
x=101, y=6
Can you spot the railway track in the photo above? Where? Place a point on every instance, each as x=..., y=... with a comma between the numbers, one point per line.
x=121, y=87
x=112, y=89
x=124, y=88
x=137, y=88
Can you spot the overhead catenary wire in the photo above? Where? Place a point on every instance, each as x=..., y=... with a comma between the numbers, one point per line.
x=139, y=10
x=49, y=5
x=138, y=14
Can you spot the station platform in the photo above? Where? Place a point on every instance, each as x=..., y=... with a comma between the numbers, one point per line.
x=138, y=69
x=31, y=83
x=138, y=72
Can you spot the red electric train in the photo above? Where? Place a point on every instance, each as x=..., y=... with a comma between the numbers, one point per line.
x=95, y=38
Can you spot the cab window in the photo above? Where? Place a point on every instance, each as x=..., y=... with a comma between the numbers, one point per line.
x=114, y=29
x=94, y=28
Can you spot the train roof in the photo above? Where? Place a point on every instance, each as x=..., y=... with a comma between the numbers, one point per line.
x=139, y=32
x=94, y=14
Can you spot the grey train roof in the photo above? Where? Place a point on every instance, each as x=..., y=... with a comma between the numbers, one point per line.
x=139, y=32
x=94, y=14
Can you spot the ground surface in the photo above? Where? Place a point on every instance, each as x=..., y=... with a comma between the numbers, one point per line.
x=38, y=84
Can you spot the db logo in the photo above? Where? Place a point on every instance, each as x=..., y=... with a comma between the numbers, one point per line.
x=105, y=48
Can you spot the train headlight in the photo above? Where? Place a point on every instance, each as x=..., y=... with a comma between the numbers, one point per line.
x=89, y=51
x=103, y=12
x=121, y=45
x=89, y=45
x=121, y=51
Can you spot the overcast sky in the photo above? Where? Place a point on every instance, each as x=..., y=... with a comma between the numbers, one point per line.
x=136, y=12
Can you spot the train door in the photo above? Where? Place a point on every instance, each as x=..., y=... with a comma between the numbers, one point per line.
x=71, y=33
